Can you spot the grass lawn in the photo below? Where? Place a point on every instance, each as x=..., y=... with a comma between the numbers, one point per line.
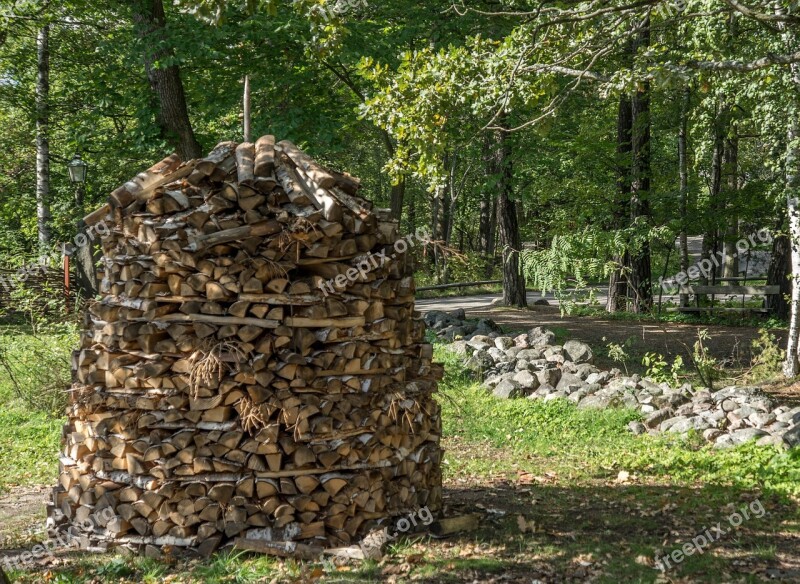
x=565, y=496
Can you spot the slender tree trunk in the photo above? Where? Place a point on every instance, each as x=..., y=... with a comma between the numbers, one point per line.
x=397, y=196
x=711, y=237
x=508, y=226
x=779, y=274
x=618, y=282
x=173, y=116
x=412, y=215
x=42, y=139
x=790, y=368
x=640, y=262
x=3, y=577
x=731, y=266
x=683, y=173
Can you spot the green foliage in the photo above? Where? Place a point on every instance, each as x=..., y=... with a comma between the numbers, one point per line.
x=707, y=366
x=35, y=366
x=768, y=357
x=659, y=370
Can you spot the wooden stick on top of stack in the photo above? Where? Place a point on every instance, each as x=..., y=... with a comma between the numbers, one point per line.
x=224, y=387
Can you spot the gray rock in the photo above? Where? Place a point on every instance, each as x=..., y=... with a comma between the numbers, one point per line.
x=530, y=354
x=549, y=376
x=600, y=377
x=636, y=428
x=584, y=370
x=728, y=405
x=480, y=361
x=539, y=337
x=695, y=423
x=521, y=341
x=790, y=417
x=595, y=402
x=545, y=389
x=745, y=435
x=512, y=352
x=496, y=354
x=771, y=440
x=523, y=365
x=578, y=352
x=577, y=395
x=667, y=424
x=555, y=395
x=487, y=326
x=504, y=343
x=526, y=380
x=744, y=412
x=541, y=302
x=569, y=382
x=759, y=420
x=656, y=418
x=712, y=434
x=453, y=332
x=507, y=389
x=792, y=436
x=458, y=314
x=461, y=348
x=651, y=387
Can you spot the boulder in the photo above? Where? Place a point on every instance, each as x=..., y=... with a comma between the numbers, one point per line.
x=745, y=435
x=539, y=337
x=792, y=436
x=507, y=389
x=578, y=352
x=504, y=343
x=526, y=380
x=636, y=428
x=595, y=402
x=570, y=382
x=480, y=361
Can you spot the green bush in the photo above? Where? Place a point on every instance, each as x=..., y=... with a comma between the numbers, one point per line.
x=35, y=366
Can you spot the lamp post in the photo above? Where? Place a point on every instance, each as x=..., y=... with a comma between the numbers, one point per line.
x=77, y=175
x=86, y=277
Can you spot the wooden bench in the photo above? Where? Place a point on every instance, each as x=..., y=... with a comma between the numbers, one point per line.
x=713, y=291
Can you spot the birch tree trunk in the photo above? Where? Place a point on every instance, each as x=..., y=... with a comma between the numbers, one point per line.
x=731, y=266
x=42, y=139
x=790, y=368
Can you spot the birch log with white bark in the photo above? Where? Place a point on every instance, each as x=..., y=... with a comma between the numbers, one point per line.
x=42, y=141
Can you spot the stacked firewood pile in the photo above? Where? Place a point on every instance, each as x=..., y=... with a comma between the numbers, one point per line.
x=223, y=389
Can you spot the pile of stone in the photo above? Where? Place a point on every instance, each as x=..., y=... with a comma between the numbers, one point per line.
x=533, y=366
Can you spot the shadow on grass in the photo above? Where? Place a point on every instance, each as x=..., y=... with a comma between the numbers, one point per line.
x=531, y=530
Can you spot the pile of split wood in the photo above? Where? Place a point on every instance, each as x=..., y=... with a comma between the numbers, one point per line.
x=219, y=392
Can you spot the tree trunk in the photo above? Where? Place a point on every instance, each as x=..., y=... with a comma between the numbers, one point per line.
x=397, y=197
x=790, y=368
x=618, y=282
x=173, y=116
x=640, y=266
x=711, y=237
x=3, y=578
x=513, y=280
x=779, y=274
x=731, y=266
x=683, y=172
x=42, y=139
